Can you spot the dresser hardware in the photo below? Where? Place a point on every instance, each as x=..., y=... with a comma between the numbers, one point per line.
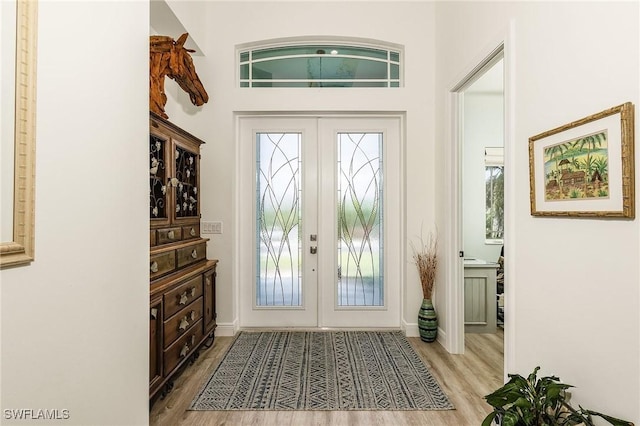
x=154, y=266
x=192, y=232
x=171, y=235
x=154, y=313
x=184, y=350
x=184, y=323
x=194, y=254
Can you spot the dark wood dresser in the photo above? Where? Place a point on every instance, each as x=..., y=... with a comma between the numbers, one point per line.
x=182, y=279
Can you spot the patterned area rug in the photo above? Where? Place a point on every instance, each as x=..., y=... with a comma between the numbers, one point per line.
x=351, y=370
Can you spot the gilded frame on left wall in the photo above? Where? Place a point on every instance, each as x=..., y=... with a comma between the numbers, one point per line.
x=20, y=251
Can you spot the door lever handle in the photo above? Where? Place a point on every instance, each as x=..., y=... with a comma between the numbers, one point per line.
x=313, y=250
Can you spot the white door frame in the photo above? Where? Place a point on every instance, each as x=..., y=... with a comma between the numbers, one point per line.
x=453, y=152
x=243, y=261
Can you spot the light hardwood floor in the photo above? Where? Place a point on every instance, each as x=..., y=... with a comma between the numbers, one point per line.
x=464, y=378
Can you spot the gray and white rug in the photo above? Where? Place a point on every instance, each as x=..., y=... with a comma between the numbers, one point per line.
x=350, y=370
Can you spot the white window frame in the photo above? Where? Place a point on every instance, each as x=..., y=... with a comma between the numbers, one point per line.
x=493, y=157
x=390, y=48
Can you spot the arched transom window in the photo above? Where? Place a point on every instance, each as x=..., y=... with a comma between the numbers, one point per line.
x=320, y=65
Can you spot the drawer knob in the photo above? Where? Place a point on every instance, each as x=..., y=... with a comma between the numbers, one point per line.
x=154, y=313
x=184, y=323
x=185, y=350
x=194, y=254
x=192, y=232
x=171, y=235
x=184, y=297
x=154, y=266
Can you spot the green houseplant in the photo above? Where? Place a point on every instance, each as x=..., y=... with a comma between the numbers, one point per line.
x=540, y=401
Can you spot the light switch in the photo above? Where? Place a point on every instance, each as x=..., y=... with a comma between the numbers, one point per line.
x=212, y=227
x=216, y=227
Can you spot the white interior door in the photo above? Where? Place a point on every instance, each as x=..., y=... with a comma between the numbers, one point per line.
x=320, y=222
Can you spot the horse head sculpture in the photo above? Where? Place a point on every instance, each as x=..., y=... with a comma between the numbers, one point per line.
x=170, y=58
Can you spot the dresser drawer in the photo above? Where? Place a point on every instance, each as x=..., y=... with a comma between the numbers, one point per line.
x=181, y=296
x=191, y=231
x=162, y=263
x=191, y=254
x=169, y=235
x=182, y=348
x=180, y=323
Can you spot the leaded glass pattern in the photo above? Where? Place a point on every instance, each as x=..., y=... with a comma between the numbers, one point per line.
x=186, y=183
x=320, y=65
x=157, y=178
x=360, y=226
x=279, y=244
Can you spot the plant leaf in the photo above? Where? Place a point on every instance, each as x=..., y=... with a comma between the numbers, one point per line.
x=487, y=420
x=614, y=421
x=510, y=419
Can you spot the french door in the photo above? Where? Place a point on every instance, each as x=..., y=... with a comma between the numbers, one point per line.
x=319, y=211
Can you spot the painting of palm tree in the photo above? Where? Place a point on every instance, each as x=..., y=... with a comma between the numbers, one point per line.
x=577, y=169
x=585, y=168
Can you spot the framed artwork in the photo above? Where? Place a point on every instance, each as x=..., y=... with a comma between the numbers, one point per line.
x=18, y=124
x=585, y=168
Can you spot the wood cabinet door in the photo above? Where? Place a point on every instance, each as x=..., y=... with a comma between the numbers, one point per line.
x=209, y=300
x=159, y=173
x=155, y=343
x=185, y=181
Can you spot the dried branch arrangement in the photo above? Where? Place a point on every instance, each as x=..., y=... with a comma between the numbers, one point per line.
x=426, y=259
x=168, y=57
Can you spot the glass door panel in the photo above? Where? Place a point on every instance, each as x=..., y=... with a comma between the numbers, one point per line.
x=360, y=227
x=278, y=224
x=186, y=182
x=157, y=178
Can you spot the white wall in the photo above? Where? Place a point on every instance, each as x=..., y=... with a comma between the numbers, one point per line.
x=232, y=23
x=572, y=285
x=75, y=322
x=483, y=127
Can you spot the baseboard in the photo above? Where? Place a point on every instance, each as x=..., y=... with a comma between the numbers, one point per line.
x=227, y=330
x=411, y=330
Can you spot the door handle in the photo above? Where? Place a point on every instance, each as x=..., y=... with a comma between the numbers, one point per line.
x=313, y=250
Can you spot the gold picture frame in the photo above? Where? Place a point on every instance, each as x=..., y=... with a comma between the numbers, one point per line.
x=20, y=250
x=585, y=168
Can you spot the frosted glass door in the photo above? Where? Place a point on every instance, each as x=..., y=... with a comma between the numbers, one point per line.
x=319, y=224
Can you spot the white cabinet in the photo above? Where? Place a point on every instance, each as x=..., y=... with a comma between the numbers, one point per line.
x=479, y=296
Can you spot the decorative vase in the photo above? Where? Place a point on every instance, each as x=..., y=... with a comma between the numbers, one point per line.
x=428, y=321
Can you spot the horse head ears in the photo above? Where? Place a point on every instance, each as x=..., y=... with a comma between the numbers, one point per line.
x=183, y=38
